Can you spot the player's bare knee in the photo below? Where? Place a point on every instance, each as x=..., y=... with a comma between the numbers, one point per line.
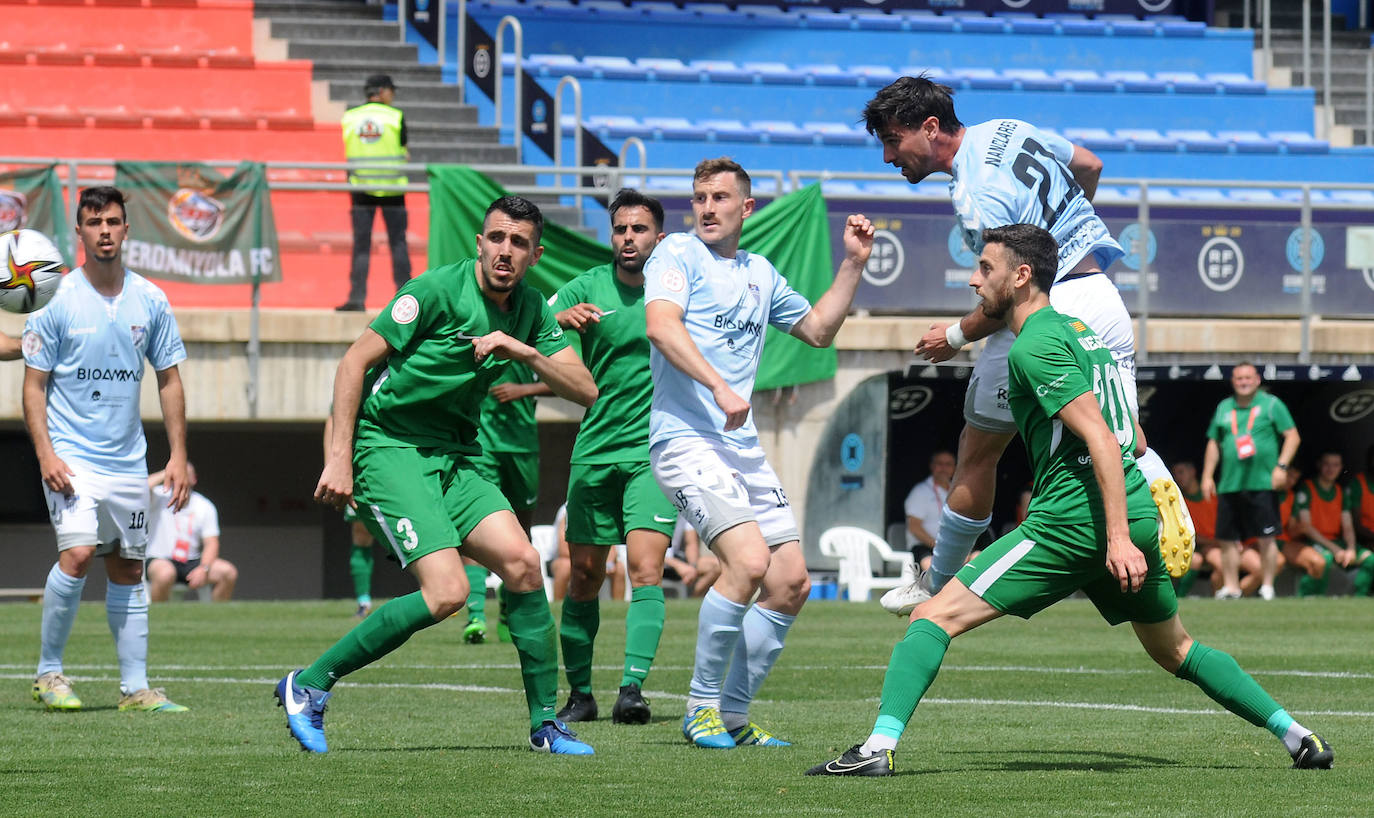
x=521, y=572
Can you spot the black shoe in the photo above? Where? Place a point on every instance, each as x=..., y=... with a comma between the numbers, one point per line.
x=580, y=707
x=1313, y=754
x=630, y=707
x=350, y=306
x=855, y=763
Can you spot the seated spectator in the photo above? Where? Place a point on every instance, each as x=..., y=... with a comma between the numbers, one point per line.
x=1204, y=514
x=686, y=562
x=183, y=546
x=1327, y=531
x=924, y=505
x=1361, y=488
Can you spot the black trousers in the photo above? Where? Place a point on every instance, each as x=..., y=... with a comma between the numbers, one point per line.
x=394, y=217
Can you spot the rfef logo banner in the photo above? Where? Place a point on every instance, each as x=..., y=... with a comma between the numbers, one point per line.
x=189, y=222
x=33, y=198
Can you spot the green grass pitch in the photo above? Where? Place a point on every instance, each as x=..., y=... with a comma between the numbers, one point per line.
x=1057, y=716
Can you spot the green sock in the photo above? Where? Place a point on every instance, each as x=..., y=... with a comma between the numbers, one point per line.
x=910, y=672
x=1364, y=575
x=536, y=640
x=1185, y=582
x=371, y=639
x=477, y=591
x=643, y=627
x=360, y=566
x=577, y=632
x=1222, y=679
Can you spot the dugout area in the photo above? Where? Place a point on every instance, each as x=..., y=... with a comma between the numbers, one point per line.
x=878, y=442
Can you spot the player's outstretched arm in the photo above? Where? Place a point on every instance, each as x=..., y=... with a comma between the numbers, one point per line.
x=1083, y=416
x=335, y=487
x=563, y=371
x=172, y=395
x=10, y=348
x=579, y=316
x=51, y=468
x=663, y=324
x=1086, y=168
x=819, y=326
x=941, y=341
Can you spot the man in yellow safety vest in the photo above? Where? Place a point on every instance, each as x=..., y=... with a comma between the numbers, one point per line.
x=375, y=132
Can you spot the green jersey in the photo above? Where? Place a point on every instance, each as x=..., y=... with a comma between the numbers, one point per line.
x=616, y=350
x=1263, y=422
x=428, y=392
x=510, y=426
x=1055, y=359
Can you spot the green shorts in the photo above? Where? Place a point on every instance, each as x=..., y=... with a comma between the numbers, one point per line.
x=418, y=501
x=516, y=474
x=1035, y=565
x=606, y=501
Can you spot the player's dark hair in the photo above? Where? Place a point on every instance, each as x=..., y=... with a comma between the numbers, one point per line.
x=629, y=197
x=910, y=101
x=96, y=199
x=520, y=209
x=1028, y=244
x=707, y=168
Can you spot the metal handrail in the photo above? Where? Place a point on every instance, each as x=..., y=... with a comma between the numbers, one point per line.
x=558, y=124
x=514, y=24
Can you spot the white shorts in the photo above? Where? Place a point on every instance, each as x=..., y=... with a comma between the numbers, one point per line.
x=986, y=405
x=107, y=511
x=716, y=487
x=1095, y=300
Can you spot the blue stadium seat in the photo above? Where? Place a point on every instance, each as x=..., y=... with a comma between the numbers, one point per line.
x=1095, y=139
x=1147, y=139
x=1181, y=28
x=777, y=131
x=1361, y=197
x=1033, y=79
x=615, y=68
x=1250, y=141
x=828, y=74
x=874, y=76
x=675, y=127
x=840, y=188
x=839, y=133
x=554, y=65
x=722, y=71
x=926, y=21
x=1025, y=24
x=681, y=184
x=618, y=127
x=1234, y=83
x=731, y=130
x=1137, y=82
x=826, y=19
x=1128, y=26
x=984, y=79
x=668, y=68
x=1200, y=194
x=1196, y=141
x=979, y=24
x=1080, y=79
x=886, y=188
x=1187, y=82
x=876, y=21
x=1082, y=27
x=776, y=72
x=1299, y=142
x=610, y=9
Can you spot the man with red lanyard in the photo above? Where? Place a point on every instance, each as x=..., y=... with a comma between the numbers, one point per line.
x=924, y=505
x=1253, y=437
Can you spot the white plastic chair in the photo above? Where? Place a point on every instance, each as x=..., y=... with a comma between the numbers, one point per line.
x=851, y=547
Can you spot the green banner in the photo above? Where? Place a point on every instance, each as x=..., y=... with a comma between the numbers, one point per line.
x=33, y=198
x=791, y=232
x=189, y=222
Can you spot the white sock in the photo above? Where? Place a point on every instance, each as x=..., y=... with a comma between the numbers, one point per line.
x=126, y=609
x=877, y=743
x=761, y=636
x=718, y=629
x=61, y=597
x=953, y=544
x=1292, y=738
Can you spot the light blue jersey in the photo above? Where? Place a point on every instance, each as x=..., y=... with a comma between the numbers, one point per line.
x=1010, y=172
x=726, y=304
x=92, y=348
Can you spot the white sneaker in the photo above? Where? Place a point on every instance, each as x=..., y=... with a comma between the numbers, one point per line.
x=1228, y=593
x=1266, y=592
x=901, y=601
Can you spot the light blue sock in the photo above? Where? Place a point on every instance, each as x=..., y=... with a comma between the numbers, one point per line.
x=952, y=545
x=761, y=637
x=61, y=596
x=718, y=628
x=126, y=609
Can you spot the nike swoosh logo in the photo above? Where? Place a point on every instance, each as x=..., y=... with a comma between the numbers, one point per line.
x=634, y=669
x=529, y=501
x=293, y=707
x=839, y=766
x=659, y=519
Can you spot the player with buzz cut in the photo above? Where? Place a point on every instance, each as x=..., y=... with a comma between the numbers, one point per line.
x=707, y=303
x=1092, y=524
x=407, y=398
x=84, y=359
x=612, y=495
x=1006, y=171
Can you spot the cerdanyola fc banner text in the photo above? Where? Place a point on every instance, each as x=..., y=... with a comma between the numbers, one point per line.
x=189, y=222
x=32, y=198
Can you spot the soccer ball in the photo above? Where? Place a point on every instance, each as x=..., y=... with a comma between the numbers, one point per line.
x=30, y=270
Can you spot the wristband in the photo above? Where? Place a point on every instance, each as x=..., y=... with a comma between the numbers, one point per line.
x=954, y=336
x=1283, y=466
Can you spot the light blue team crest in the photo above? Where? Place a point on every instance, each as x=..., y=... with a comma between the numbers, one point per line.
x=139, y=335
